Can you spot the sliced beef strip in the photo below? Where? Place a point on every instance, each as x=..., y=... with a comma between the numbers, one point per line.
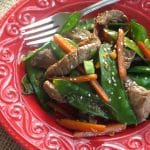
x=112, y=16
x=43, y=59
x=79, y=35
x=104, y=19
x=72, y=60
x=139, y=98
x=128, y=57
x=52, y=92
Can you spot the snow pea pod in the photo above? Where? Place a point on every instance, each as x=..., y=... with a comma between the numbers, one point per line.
x=141, y=79
x=27, y=87
x=140, y=70
x=141, y=75
x=82, y=99
x=114, y=88
x=147, y=43
x=58, y=52
x=138, y=31
x=36, y=78
x=87, y=24
x=32, y=53
x=127, y=42
x=71, y=22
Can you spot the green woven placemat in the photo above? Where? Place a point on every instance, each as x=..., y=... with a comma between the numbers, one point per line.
x=6, y=142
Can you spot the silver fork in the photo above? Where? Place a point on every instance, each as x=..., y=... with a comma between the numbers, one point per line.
x=42, y=31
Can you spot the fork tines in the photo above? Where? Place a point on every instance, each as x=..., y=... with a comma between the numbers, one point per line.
x=44, y=28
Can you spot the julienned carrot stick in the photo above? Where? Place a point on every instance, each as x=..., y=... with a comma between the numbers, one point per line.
x=144, y=49
x=99, y=90
x=81, y=126
x=109, y=130
x=64, y=44
x=78, y=79
x=68, y=47
x=121, y=65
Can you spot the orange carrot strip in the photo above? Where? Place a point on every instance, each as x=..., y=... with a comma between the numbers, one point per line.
x=100, y=91
x=121, y=64
x=109, y=130
x=96, y=86
x=81, y=126
x=64, y=44
x=144, y=49
x=82, y=78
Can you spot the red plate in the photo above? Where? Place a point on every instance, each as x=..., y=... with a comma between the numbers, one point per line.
x=21, y=115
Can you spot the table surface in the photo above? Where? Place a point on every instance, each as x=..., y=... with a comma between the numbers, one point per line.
x=6, y=142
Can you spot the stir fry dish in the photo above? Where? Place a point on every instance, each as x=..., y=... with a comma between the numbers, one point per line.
x=94, y=76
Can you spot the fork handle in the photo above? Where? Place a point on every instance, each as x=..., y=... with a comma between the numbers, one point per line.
x=96, y=6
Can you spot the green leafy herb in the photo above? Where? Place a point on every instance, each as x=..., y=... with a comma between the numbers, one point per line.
x=58, y=52
x=141, y=79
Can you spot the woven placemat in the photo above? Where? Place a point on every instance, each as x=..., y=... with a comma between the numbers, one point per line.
x=6, y=142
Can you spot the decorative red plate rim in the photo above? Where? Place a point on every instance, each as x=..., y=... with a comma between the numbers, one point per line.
x=3, y=121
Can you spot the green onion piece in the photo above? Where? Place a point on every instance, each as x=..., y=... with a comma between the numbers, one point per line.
x=89, y=67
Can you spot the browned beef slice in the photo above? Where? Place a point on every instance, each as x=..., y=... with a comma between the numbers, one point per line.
x=52, y=91
x=79, y=35
x=139, y=98
x=72, y=60
x=104, y=19
x=128, y=57
x=43, y=59
x=111, y=16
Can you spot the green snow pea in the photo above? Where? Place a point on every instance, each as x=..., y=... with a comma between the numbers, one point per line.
x=82, y=99
x=87, y=24
x=36, y=78
x=127, y=42
x=141, y=75
x=138, y=31
x=140, y=70
x=71, y=22
x=34, y=52
x=26, y=85
x=114, y=88
x=141, y=79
